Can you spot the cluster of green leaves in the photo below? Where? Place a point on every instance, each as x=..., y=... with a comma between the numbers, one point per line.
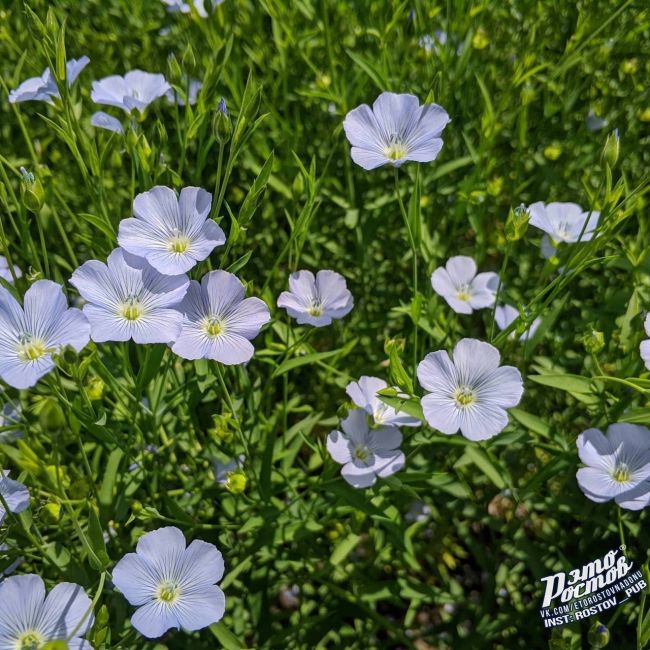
x=120, y=440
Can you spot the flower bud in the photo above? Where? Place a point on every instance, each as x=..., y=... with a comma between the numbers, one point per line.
x=188, y=60
x=31, y=191
x=50, y=415
x=236, y=482
x=175, y=73
x=611, y=149
x=221, y=124
x=517, y=223
x=298, y=186
x=221, y=428
x=598, y=636
x=51, y=512
x=593, y=341
x=95, y=389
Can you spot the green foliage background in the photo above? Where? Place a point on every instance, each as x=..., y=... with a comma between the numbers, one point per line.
x=518, y=78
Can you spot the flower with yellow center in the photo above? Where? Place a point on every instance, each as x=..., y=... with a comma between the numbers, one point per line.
x=395, y=130
x=617, y=465
x=32, y=619
x=128, y=299
x=468, y=391
x=30, y=335
x=366, y=454
x=171, y=584
x=462, y=287
x=173, y=233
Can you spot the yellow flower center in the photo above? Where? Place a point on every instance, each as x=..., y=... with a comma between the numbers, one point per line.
x=315, y=310
x=621, y=473
x=395, y=151
x=168, y=593
x=464, y=396
x=463, y=293
x=361, y=453
x=213, y=327
x=31, y=349
x=30, y=640
x=132, y=310
x=179, y=243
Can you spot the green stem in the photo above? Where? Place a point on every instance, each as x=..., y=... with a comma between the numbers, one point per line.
x=414, y=252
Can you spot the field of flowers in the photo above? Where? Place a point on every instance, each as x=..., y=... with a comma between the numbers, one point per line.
x=323, y=324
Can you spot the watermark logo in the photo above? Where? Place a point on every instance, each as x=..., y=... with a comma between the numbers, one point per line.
x=596, y=587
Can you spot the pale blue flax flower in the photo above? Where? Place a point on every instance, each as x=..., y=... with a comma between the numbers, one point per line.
x=562, y=223
x=30, y=335
x=219, y=321
x=175, y=6
x=463, y=289
x=128, y=299
x=397, y=129
x=364, y=395
x=5, y=271
x=30, y=618
x=14, y=494
x=469, y=391
x=103, y=120
x=9, y=421
x=505, y=315
x=316, y=300
x=44, y=88
x=171, y=232
x=644, y=348
x=365, y=453
x=136, y=89
x=172, y=586
x=187, y=94
x=617, y=465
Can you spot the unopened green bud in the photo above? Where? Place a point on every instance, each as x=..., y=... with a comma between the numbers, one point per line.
x=298, y=186
x=50, y=415
x=31, y=191
x=517, y=223
x=221, y=124
x=175, y=73
x=188, y=60
x=598, y=636
x=51, y=22
x=132, y=136
x=236, y=482
x=221, y=428
x=397, y=344
x=611, y=149
x=51, y=512
x=95, y=389
x=162, y=133
x=593, y=341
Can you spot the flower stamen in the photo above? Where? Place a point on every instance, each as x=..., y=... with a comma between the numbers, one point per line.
x=131, y=309
x=621, y=473
x=31, y=348
x=168, y=593
x=464, y=396
x=213, y=327
x=30, y=640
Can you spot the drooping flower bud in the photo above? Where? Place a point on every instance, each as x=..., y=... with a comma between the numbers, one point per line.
x=593, y=341
x=221, y=124
x=517, y=223
x=598, y=635
x=31, y=191
x=611, y=149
